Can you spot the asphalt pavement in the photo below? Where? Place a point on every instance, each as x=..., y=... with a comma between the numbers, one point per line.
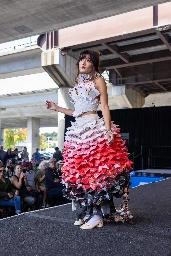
x=51, y=232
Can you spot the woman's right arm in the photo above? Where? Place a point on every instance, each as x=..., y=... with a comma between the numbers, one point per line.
x=52, y=106
x=16, y=183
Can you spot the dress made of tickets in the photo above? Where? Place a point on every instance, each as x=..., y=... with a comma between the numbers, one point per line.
x=92, y=166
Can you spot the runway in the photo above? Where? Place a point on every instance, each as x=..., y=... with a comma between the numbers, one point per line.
x=51, y=232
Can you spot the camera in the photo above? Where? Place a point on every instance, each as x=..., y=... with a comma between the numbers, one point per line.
x=24, y=170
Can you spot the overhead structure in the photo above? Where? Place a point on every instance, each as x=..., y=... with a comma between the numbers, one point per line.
x=135, y=48
x=19, y=19
x=17, y=108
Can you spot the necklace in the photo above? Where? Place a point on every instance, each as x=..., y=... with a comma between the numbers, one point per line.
x=83, y=78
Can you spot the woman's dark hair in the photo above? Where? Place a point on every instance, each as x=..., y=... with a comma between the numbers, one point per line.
x=94, y=57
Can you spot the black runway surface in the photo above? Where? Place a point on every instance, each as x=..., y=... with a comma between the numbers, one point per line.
x=51, y=231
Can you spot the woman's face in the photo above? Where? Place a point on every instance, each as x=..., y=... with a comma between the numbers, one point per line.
x=85, y=65
x=18, y=169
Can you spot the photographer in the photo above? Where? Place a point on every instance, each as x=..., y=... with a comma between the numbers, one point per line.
x=20, y=182
x=53, y=182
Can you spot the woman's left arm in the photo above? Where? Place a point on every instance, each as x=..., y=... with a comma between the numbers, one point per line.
x=102, y=88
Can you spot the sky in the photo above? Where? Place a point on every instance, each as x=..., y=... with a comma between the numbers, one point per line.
x=26, y=83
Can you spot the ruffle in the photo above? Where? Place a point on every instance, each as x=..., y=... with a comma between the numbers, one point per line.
x=90, y=163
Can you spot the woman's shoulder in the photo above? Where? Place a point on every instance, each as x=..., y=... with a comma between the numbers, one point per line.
x=14, y=177
x=99, y=82
x=99, y=78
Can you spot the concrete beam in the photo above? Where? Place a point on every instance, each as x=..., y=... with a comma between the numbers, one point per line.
x=17, y=107
x=126, y=97
x=61, y=68
x=20, y=62
x=28, y=99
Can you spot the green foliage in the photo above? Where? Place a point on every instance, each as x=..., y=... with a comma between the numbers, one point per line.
x=13, y=136
x=52, y=136
x=43, y=142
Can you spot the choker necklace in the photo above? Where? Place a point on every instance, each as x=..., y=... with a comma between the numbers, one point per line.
x=83, y=78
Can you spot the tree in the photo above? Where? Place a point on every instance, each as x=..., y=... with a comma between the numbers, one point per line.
x=13, y=136
x=43, y=142
x=52, y=136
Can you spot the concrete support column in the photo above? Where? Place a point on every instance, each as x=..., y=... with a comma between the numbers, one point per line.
x=113, y=77
x=61, y=67
x=1, y=137
x=127, y=97
x=33, y=125
x=63, y=101
x=1, y=132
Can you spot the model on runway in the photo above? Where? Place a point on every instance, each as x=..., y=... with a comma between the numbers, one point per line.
x=96, y=165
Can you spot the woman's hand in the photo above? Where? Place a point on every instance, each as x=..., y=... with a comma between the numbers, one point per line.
x=16, y=193
x=51, y=105
x=110, y=137
x=10, y=195
x=21, y=175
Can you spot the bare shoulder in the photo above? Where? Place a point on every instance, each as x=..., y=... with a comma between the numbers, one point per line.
x=13, y=178
x=100, y=82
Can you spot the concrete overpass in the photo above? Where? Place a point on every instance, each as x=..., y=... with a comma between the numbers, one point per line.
x=19, y=19
x=16, y=108
x=27, y=110
x=18, y=62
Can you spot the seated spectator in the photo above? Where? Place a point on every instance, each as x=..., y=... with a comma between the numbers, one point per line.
x=53, y=182
x=14, y=157
x=20, y=183
x=59, y=165
x=8, y=195
x=40, y=178
x=30, y=175
x=9, y=169
x=25, y=155
x=57, y=155
x=8, y=155
x=34, y=162
x=2, y=154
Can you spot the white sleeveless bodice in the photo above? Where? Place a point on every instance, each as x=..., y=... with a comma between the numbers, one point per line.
x=84, y=98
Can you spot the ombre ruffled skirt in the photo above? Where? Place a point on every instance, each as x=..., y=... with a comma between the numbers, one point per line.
x=91, y=165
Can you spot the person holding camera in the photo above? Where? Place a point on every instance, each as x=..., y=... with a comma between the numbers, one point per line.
x=20, y=183
x=53, y=182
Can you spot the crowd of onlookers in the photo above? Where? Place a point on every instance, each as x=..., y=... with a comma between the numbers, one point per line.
x=29, y=184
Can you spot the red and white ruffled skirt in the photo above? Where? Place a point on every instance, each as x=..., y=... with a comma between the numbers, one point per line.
x=90, y=163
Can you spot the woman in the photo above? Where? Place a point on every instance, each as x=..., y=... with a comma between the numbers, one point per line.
x=20, y=183
x=95, y=157
x=40, y=181
x=8, y=195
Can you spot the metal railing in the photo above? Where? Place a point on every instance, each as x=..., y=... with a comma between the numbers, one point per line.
x=18, y=44
x=155, y=157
